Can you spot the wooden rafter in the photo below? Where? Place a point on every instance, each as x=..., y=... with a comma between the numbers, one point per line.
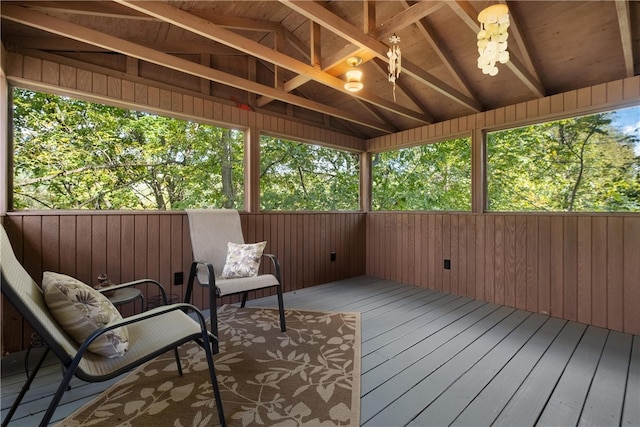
x=624, y=22
x=211, y=31
x=382, y=67
x=447, y=60
x=112, y=10
x=86, y=35
x=409, y=16
x=344, y=29
x=468, y=14
x=418, y=11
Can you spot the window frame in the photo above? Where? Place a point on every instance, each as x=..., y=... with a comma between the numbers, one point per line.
x=454, y=136
x=113, y=103
x=481, y=135
x=312, y=143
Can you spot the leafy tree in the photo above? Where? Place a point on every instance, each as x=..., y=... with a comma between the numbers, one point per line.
x=71, y=154
x=577, y=164
x=426, y=177
x=296, y=176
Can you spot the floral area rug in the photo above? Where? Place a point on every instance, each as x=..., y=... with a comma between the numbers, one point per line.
x=308, y=375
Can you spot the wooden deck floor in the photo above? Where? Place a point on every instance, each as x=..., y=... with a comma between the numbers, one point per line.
x=430, y=358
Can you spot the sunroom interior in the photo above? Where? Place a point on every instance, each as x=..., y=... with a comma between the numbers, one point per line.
x=278, y=68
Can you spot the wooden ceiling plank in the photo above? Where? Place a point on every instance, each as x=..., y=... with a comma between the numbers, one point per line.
x=334, y=23
x=107, y=9
x=211, y=31
x=244, y=24
x=89, y=8
x=435, y=42
x=518, y=36
x=409, y=16
x=468, y=14
x=383, y=68
x=63, y=28
x=59, y=44
x=295, y=42
x=624, y=22
x=341, y=56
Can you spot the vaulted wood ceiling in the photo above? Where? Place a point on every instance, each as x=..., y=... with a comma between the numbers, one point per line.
x=289, y=57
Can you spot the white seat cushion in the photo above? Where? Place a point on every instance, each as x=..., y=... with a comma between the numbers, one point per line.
x=232, y=286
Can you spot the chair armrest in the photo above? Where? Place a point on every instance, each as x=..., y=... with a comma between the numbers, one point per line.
x=211, y=277
x=135, y=283
x=276, y=265
x=158, y=311
x=193, y=272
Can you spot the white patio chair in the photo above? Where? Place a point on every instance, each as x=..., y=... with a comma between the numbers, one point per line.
x=151, y=334
x=211, y=230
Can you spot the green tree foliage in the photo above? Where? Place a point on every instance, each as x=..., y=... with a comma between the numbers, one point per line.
x=427, y=177
x=71, y=154
x=296, y=176
x=577, y=164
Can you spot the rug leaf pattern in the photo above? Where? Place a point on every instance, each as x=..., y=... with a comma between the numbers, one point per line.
x=309, y=375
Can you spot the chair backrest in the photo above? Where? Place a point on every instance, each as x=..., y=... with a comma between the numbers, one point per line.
x=211, y=230
x=26, y=296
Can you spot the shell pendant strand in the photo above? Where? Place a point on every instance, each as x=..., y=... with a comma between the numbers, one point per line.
x=395, y=61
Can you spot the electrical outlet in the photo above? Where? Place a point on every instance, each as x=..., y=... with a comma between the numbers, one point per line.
x=178, y=278
x=332, y=256
x=447, y=264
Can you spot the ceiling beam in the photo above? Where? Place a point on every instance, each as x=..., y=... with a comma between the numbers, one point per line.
x=326, y=18
x=383, y=68
x=338, y=58
x=468, y=14
x=113, y=10
x=214, y=32
x=436, y=44
x=409, y=16
x=518, y=36
x=62, y=44
x=67, y=29
x=624, y=22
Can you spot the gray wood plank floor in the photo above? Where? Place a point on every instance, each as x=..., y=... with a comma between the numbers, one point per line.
x=434, y=359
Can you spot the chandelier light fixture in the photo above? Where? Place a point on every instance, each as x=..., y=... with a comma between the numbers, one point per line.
x=492, y=38
x=354, y=76
x=395, y=61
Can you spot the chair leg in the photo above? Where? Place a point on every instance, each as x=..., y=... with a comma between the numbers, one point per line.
x=69, y=372
x=283, y=325
x=24, y=389
x=214, y=381
x=175, y=351
x=244, y=299
x=192, y=276
x=213, y=310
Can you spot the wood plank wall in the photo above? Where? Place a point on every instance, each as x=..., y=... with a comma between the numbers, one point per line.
x=133, y=245
x=578, y=267
x=602, y=97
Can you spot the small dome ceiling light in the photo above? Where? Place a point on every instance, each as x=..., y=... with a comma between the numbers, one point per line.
x=354, y=76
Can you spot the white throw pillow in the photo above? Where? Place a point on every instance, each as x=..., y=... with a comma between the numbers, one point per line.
x=80, y=310
x=243, y=260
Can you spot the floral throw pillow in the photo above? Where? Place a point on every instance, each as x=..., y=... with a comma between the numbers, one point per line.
x=243, y=260
x=80, y=310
